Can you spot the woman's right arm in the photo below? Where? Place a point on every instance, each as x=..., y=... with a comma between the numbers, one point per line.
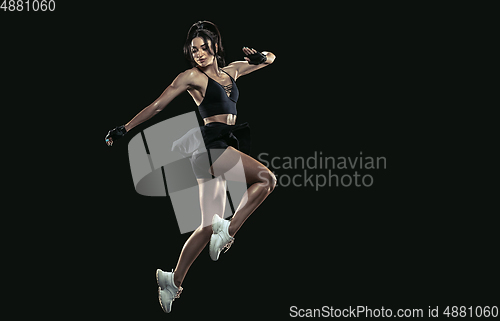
x=179, y=85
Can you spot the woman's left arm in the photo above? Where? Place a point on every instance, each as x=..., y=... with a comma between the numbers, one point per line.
x=242, y=68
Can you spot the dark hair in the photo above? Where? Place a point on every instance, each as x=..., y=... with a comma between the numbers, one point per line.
x=205, y=30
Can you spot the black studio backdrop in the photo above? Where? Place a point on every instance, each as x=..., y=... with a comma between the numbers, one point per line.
x=304, y=243
x=346, y=83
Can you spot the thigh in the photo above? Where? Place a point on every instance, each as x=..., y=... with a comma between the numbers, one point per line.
x=237, y=166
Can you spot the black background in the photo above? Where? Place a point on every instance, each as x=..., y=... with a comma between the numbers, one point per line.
x=345, y=80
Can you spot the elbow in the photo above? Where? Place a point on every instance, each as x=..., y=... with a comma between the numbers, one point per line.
x=157, y=107
x=270, y=57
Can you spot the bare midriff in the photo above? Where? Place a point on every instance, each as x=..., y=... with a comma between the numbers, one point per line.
x=228, y=119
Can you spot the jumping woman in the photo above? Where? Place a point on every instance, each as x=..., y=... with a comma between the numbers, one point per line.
x=212, y=85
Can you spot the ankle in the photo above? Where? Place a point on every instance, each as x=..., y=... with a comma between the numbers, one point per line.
x=177, y=280
x=231, y=229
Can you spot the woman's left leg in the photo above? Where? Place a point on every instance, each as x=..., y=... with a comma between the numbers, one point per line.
x=261, y=180
x=212, y=201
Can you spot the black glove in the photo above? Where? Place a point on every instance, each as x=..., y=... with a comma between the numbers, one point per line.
x=257, y=58
x=114, y=134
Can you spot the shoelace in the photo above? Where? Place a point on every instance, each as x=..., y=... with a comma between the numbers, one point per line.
x=228, y=245
x=179, y=291
x=178, y=294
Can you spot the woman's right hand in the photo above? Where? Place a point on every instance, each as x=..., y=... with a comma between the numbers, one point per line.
x=114, y=134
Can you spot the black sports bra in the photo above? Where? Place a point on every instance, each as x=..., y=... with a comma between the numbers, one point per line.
x=216, y=100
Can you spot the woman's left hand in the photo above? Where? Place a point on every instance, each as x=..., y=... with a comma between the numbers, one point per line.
x=248, y=52
x=253, y=56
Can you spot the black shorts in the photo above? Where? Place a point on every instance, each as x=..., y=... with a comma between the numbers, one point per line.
x=217, y=137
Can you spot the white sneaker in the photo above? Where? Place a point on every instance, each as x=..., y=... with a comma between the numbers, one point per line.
x=167, y=291
x=220, y=239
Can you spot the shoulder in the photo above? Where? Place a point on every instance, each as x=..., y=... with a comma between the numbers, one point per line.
x=189, y=74
x=190, y=77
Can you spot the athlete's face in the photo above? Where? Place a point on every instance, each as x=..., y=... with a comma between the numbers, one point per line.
x=201, y=52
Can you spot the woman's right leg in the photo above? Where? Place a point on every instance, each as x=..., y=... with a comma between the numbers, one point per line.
x=212, y=201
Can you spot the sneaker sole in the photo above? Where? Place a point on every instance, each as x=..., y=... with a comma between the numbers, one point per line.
x=161, y=303
x=216, y=258
x=159, y=291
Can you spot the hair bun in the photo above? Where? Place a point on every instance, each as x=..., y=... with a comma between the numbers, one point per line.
x=199, y=25
x=206, y=25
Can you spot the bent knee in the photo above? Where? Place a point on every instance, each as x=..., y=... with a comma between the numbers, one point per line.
x=205, y=229
x=268, y=179
x=273, y=182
